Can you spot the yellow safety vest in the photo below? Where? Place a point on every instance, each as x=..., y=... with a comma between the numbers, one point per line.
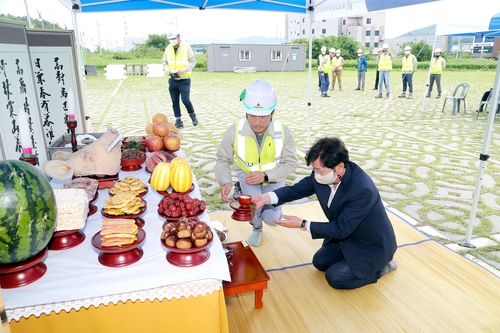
x=179, y=60
x=247, y=152
x=437, y=66
x=408, y=64
x=385, y=63
x=327, y=66
x=337, y=62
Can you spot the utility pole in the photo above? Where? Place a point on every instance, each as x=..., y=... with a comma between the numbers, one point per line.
x=28, y=14
x=99, y=36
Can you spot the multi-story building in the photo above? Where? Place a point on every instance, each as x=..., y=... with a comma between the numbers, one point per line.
x=368, y=29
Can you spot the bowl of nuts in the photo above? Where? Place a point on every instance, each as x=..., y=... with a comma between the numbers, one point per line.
x=132, y=159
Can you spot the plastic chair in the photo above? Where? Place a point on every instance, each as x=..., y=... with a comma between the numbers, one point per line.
x=458, y=95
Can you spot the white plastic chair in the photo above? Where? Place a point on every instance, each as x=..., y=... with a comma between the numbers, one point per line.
x=459, y=94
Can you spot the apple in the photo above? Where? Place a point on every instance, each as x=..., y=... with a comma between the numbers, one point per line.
x=154, y=142
x=160, y=128
x=149, y=128
x=172, y=142
x=160, y=117
x=172, y=128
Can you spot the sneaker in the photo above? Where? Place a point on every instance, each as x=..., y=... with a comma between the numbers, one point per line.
x=403, y=95
x=340, y=89
x=357, y=89
x=179, y=123
x=319, y=89
x=386, y=95
x=410, y=96
x=326, y=95
x=438, y=96
x=237, y=191
x=428, y=95
x=362, y=89
x=256, y=236
x=391, y=266
x=374, y=88
x=194, y=119
x=378, y=96
x=332, y=88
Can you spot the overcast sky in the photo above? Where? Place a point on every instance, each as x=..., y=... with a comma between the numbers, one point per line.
x=229, y=24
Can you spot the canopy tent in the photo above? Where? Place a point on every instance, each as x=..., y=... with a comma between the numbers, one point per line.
x=491, y=30
x=317, y=9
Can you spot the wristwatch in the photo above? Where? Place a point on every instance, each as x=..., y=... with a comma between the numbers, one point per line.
x=303, y=225
x=266, y=178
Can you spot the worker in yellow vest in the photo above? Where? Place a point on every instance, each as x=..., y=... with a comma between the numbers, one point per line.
x=338, y=62
x=437, y=65
x=408, y=68
x=263, y=150
x=385, y=68
x=178, y=62
x=326, y=70
x=320, y=59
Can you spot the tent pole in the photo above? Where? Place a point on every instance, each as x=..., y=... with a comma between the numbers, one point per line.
x=483, y=157
x=310, y=9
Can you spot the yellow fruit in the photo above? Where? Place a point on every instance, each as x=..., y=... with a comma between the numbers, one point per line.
x=160, y=117
x=160, y=179
x=149, y=128
x=177, y=160
x=181, y=177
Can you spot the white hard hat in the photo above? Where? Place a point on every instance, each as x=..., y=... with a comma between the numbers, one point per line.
x=360, y=51
x=337, y=51
x=407, y=48
x=259, y=99
x=173, y=34
x=332, y=50
x=323, y=49
x=385, y=46
x=437, y=50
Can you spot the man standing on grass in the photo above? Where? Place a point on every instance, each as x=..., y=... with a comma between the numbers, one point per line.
x=409, y=67
x=178, y=62
x=437, y=66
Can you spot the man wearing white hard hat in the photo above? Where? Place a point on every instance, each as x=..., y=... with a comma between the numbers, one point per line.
x=362, y=68
x=437, y=65
x=385, y=68
x=263, y=151
x=338, y=62
x=178, y=62
x=409, y=66
x=325, y=69
x=320, y=59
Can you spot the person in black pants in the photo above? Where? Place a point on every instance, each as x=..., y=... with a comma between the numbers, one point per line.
x=485, y=97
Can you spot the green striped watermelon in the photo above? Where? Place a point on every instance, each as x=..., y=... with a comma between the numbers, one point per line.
x=27, y=211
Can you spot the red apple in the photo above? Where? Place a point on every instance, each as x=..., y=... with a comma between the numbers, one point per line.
x=160, y=128
x=153, y=143
x=172, y=141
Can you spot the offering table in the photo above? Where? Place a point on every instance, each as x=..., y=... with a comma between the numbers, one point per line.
x=78, y=294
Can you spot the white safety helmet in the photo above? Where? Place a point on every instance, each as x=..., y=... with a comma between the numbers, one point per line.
x=360, y=51
x=385, y=46
x=407, y=48
x=173, y=34
x=259, y=98
x=337, y=52
x=438, y=50
x=323, y=49
x=332, y=50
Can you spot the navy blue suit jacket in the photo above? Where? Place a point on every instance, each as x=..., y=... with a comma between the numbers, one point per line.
x=357, y=219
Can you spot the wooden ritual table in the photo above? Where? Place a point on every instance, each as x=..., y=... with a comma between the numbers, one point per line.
x=247, y=274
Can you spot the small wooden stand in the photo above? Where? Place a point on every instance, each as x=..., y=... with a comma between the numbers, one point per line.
x=33, y=160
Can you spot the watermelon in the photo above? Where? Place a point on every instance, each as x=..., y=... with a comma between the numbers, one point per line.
x=27, y=211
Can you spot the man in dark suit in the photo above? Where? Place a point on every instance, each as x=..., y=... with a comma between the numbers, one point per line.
x=359, y=241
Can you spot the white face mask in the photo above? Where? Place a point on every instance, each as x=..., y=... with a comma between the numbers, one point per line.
x=327, y=179
x=407, y=52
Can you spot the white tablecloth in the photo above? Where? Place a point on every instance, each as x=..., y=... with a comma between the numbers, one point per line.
x=75, y=278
